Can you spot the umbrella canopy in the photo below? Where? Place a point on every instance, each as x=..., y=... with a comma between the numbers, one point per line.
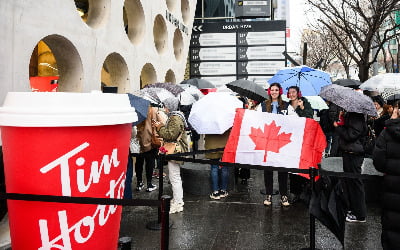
x=388, y=93
x=185, y=98
x=156, y=94
x=193, y=90
x=317, y=102
x=173, y=88
x=351, y=83
x=214, y=113
x=349, y=99
x=248, y=89
x=309, y=80
x=329, y=206
x=141, y=106
x=380, y=82
x=199, y=83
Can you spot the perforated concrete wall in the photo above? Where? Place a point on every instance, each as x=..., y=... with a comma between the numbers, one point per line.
x=153, y=49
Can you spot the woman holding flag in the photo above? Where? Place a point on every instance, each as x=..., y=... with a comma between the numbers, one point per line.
x=275, y=105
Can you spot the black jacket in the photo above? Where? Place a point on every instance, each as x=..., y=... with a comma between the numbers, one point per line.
x=386, y=159
x=352, y=133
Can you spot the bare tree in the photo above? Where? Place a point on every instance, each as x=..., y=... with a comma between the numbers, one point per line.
x=360, y=21
x=319, y=47
x=323, y=44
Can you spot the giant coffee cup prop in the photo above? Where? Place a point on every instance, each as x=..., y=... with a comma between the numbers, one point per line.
x=69, y=144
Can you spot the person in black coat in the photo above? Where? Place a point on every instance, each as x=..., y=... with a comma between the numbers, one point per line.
x=386, y=159
x=351, y=137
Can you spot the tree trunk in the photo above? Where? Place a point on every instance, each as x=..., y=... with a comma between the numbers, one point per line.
x=363, y=73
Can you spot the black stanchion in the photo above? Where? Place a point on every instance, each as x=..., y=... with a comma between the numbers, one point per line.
x=125, y=243
x=165, y=206
x=313, y=174
x=156, y=225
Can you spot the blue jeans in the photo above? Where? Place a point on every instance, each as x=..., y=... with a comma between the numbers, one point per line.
x=219, y=177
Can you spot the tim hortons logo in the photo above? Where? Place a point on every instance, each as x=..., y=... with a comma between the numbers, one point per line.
x=102, y=212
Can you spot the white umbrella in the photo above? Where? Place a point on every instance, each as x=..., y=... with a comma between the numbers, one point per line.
x=185, y=98
x=214, y=113
x=193, y=90
x=317, y=102
x=382, y=81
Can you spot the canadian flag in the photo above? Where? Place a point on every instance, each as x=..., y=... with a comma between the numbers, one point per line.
x=260, y=138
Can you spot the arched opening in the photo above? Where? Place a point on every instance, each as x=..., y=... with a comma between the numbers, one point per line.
x=93, y=12
x=178, y=45
x=134, y=20
x=148, y=75
x=160, y=34
x=115, y=74
x=55, y=58
x=185, y=9
x=170, y=76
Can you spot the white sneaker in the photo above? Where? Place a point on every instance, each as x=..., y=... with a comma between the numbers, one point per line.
x=176, y=208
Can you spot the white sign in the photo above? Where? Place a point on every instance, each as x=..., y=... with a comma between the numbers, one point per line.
x=262, y=38
x=261, y=52
x=220, y=81
x=255, y=3
x=217, y=39
x=217, y=54
x=217, y=68
x=261, y=67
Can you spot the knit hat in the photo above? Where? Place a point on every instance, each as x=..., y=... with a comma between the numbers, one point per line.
x=171, y=103
x=379, y=100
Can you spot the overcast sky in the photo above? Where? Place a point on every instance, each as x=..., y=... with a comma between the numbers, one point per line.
x=297, y=23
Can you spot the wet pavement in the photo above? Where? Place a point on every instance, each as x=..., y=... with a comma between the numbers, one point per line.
x=241, y=221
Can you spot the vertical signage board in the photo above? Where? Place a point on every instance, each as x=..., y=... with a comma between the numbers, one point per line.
x=235, y=50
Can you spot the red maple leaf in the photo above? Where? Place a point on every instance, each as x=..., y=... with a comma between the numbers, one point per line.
x=269, y=140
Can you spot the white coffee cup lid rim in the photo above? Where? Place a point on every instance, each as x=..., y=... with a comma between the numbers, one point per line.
x=65, y=109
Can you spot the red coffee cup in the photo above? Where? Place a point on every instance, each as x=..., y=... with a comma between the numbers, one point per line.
x=66, y=144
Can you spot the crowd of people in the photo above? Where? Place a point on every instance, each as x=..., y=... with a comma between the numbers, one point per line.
x=346, y=135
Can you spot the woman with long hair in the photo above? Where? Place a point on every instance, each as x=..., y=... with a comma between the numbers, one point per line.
x=275, y=105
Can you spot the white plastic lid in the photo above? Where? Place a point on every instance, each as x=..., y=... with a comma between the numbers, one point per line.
x=62, y=109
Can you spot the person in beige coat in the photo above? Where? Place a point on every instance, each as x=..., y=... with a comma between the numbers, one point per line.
x=219, y=174
x=147, y=151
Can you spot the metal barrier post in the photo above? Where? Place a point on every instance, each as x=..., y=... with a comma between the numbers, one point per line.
x=165, y=206
x=156, y=225
x=313, y=173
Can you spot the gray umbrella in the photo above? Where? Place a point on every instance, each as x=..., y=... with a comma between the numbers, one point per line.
x=171, y=87
x=248, y=89
x=349, y=99
x=199, y=83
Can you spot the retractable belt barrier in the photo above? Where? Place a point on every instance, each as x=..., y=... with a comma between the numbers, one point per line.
x=163, y=201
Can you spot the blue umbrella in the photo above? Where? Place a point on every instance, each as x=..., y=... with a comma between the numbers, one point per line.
x=309, y=80
x=141, y=107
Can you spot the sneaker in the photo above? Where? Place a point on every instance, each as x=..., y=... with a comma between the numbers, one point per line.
x=151, y=188
x=176, y=208
x=352, y=218
x=268, y=200
x=140, y=186
x=223, y=193
x=215, y=195
x=284, y=201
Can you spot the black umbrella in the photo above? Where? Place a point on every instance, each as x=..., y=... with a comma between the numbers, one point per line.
x=348, y=83
x=391, y=99
x=199, y=83
x=248, y=89
x=328, y=204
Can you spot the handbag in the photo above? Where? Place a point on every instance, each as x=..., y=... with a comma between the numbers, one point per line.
x=155, y=141
x=134, y=145
x=173, y=147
